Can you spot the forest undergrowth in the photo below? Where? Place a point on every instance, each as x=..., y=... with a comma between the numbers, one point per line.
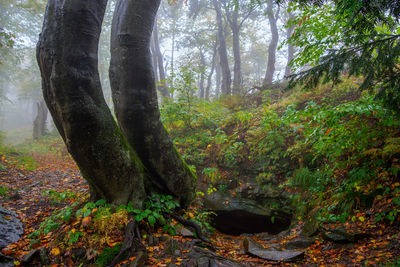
x=334, y=150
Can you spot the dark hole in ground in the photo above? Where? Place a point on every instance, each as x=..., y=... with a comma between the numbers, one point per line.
x=240, y=222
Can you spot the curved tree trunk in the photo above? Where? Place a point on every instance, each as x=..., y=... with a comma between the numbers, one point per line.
x=135, y=99
x=269, y=75
x=67, y=53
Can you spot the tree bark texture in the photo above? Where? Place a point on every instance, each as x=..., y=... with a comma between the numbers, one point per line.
x=160, y=64
x=209, y=79
x=272, y=18
x=67, y=56
x=217, y=78
x=223, y=55
x=290, y=52
x=67, y=53
x=237, y=67
x=202, y=74
x=39, y=124
x=135, y=100
x=155, y=62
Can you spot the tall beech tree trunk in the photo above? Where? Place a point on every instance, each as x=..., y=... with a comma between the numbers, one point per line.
x=135, y=99
x=209, y=79
x=237, y=67
x=160, y=64
x=39, y=124
x=223, y=55
x=290, y=52
x=202, y=74
x=272, y=18
x=217, y=78
x=67, y=53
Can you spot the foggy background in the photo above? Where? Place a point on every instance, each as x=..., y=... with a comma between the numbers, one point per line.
x=186, y=33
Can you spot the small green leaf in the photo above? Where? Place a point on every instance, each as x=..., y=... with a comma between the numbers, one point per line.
x=100, y=202
x=151, y=219
x=396, y=201
x=86, y=213
x=136, y=211
x=139, y=217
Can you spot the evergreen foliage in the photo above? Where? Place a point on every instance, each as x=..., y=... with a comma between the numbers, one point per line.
x=362, y=39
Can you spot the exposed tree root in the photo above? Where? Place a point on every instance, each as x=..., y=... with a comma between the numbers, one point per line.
x=193, y=225
x=132, y=242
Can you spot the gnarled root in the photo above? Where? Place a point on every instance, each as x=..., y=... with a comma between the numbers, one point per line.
x=195, y=226
x=132, y=242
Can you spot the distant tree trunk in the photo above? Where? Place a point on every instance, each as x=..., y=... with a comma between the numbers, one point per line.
x=39, y=124
x=172, y=56
x=202, y=74
x=269, y=75
x=135, y=99
x=290, y=52
x=209, y=79
x=223, y=55
x=237, y=68
x=217, y=78
x=160, y=64
x=67, y=56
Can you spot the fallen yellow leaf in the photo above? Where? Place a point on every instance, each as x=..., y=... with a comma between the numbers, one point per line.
x=55, y=251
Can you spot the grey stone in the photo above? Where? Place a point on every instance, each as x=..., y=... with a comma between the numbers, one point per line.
x=300, y=243
x=253, y=248
x=184, y=232
x=201, y=257
x=341, y=235
x=10, y=227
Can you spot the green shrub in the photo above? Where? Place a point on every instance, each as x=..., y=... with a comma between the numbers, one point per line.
x=59, y=197
x=307, y=180
x=212, y=174
x=155, y=207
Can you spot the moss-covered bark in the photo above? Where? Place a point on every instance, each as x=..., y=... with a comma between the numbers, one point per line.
x=119, y=165
x=135, y=99
x=67, y=56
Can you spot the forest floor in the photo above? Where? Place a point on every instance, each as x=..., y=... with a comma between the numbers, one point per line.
x=26, y=198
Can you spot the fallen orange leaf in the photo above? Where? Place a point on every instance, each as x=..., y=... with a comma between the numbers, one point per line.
x=55, y=251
